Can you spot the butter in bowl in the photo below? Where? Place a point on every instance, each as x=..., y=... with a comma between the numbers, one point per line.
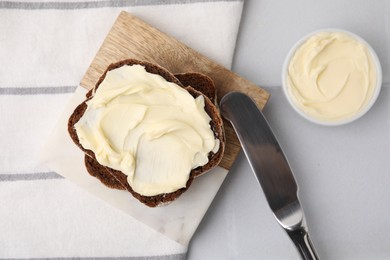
x=331, y=77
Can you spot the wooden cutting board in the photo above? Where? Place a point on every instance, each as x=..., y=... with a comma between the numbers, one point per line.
x=131, y=37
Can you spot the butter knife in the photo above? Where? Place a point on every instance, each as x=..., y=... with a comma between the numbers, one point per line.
x=270, y=167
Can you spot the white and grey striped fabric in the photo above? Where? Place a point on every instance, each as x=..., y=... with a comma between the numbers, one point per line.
x=45, y=48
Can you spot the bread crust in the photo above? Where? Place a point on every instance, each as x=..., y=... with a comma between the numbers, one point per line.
x=117, y=179
x=199, y=82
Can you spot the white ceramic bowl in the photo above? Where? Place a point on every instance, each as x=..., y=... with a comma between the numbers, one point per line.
x=358, y=114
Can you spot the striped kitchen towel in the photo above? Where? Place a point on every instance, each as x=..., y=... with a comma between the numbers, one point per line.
x=45, y=48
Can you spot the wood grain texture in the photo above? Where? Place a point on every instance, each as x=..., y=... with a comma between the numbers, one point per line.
x=130, y=37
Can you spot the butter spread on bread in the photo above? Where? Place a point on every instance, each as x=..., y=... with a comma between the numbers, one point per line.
x=152, y=130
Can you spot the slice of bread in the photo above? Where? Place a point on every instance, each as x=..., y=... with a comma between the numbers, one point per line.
x=199, y=82
x=195, y=84
x=99, y=171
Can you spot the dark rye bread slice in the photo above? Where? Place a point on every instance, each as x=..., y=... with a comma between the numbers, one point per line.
x=152, y=201
x=116, y=179
x=97, y=170
x=199, y=82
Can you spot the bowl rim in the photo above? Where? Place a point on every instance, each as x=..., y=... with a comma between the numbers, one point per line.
x=360, y=113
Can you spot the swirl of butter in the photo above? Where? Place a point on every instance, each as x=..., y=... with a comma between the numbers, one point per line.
x=331, y=76
x=150, y=129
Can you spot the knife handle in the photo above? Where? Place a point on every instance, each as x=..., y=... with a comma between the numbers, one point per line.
x=302, y=242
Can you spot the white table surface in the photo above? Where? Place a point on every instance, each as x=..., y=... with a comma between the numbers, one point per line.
x=343, y=172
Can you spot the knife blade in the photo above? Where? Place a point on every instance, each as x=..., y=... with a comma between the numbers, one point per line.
x=270, y=167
